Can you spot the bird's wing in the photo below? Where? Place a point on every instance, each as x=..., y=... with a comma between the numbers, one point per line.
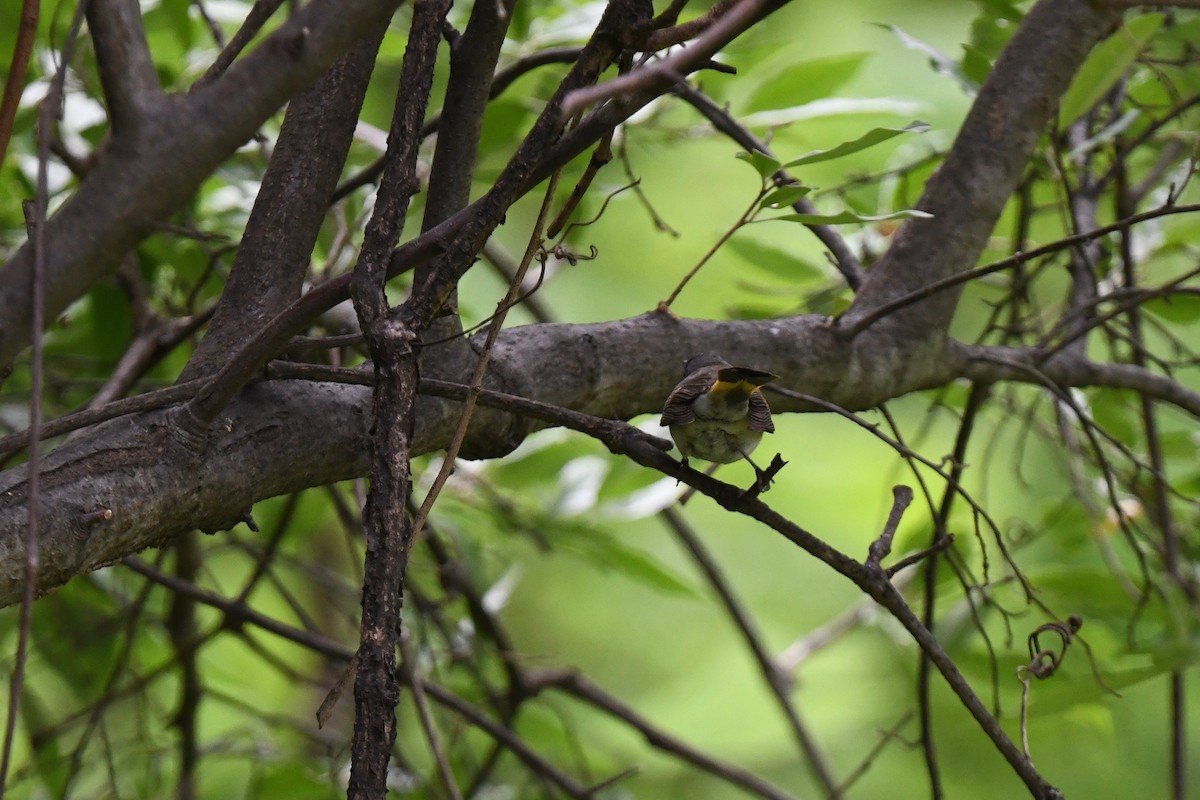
x=760, y=413
x=678, y=409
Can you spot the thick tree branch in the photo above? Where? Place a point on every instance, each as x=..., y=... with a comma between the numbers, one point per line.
x=142, y=177
x=473, y=58
x=1026, y=365
x=472, y=64
x=458, y=238
x=619, y=27
x=131, y=85
x=291, y=435
x=387, y=524
x=658, y=77
x=128, y=484
x=984, y=166
x=273, y=255
x=258, y=15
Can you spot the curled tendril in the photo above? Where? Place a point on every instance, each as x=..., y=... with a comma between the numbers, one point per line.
x=562, y=253
x=1045, y=661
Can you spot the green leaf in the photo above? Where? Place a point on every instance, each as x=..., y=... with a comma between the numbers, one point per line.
x=1105, y=66
x=774, y=260
x=751, y=310
x=801, y=82
x=624, y=478
x=869, y=139
x=847, y=217
x=109, y=321
x=600, y=548
x=832, y=107
x=1179, y=308
x=990, y=33
x=942, y=64
x=829, y=302
x=643, y=568
x=785, y=196
x=763, y=163
x=975, y=65
x=1179, y=445
x=538, y=465
x=1116, y=414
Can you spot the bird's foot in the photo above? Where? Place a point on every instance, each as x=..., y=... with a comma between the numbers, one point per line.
x=683, y=463
x=763, y=477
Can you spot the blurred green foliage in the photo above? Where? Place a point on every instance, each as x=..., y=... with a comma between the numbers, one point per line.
x=565, y=537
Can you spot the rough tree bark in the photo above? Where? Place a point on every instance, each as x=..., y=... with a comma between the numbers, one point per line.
x=247, y=430
x=163, y=145
x=281, y=436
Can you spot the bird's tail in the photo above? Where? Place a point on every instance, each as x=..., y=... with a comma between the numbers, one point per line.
x=744, y=379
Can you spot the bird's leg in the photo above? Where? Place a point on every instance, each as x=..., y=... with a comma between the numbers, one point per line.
x=683, y=462
x=762, y=480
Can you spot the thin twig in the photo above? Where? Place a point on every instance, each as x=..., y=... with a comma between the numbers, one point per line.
x=576, y=685
x=258, y=15
x=670, y=70
x=745, y=217
x=35, y=215
x=776, y=680
x=925, y=292
x=1162, y=512
x=915, y=558
x=14, y=83
x=885, y=738
x=924, y=698
x=678, y=34
x=149, y=401
x=460, y=433
x=408, y=664
x=182, y=628
x=844, y=259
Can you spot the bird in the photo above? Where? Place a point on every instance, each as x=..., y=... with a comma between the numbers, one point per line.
x=717, y=412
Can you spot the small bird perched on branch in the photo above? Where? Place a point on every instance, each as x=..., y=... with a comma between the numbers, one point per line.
x=717, y=412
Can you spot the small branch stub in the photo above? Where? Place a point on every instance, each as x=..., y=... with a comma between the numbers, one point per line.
x=95, y=517
x=765, y=478
x=902, y=497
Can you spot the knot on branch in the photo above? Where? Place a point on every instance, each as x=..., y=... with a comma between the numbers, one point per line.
x=294, y=45
x=629, y=23
x=187, y=429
